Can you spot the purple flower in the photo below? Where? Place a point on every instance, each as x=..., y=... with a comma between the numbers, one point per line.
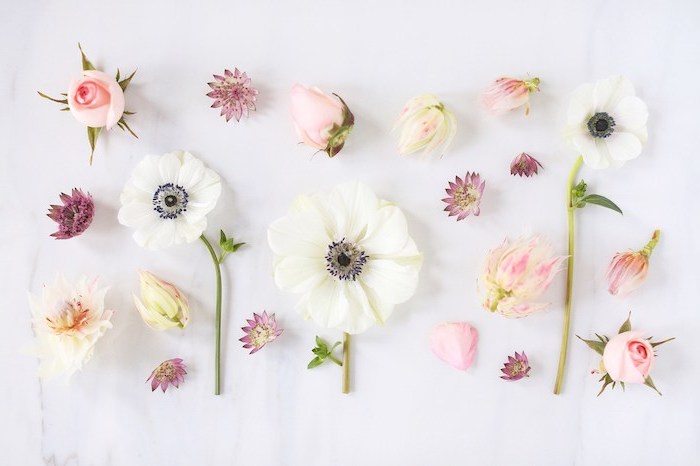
x=233, y=93
x=170, y=372
x=464, y=196
x=524, y=164
x=261, y=329
x=516, y=368
x=74, y=216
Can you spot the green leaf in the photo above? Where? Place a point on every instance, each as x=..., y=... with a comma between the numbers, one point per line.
x=222, y=237
x=596, y=346
x=314, y=363
x=116, y=78
x=123, y=122
x=650, y=383
x=319, y=342
x=654, y=345
x=124, y=83
x=607, y=381
x=60, y=101
x=87, y=65
x=627, y=325
x=93, y=134
x=601, y=201
x=65, y=109
x=129, y=113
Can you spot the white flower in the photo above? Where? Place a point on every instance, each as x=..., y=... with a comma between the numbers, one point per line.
x=607, y=123
x=168, y=198
x=162, y=305
x=68, y=320
x=425, y=124
x=348, y=254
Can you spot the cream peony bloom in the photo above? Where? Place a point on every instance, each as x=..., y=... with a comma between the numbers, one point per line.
x=348, y=254
x=68, y=320
x=607, y=123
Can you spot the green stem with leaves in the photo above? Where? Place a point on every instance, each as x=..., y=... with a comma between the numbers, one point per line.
x=217, y=354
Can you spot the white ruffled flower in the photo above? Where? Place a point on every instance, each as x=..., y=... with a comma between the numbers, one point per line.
x=607, y=123
x=68, y=320
x=168, y=198
x=348, y=254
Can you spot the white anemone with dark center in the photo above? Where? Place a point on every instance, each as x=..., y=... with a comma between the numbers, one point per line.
x=167, y=199
x=607, y=122
x=348, y=255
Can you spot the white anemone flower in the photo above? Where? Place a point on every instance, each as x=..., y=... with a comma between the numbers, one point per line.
x=168, y=198
x=68, y=320
x=348, y=254
x=607, y=122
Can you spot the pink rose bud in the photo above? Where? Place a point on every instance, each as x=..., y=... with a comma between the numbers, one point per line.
x=507, y=94
x=322, y=121
x=628, y=357
x=96, y=100
x=455, y=343
x=628, y=270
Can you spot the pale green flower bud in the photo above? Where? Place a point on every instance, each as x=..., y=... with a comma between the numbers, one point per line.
x=162, y=305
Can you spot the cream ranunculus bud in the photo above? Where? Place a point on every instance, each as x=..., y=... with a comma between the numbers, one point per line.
x=162, y=305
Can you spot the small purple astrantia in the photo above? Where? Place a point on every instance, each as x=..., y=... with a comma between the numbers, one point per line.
x=516, y=368
x=170, y=372
x=464, y=196
x=74, y=216
x=524, y=164
x=261, y=329
x=233, y=93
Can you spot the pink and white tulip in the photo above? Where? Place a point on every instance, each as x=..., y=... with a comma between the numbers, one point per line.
x=507, y=94
x=425, y=125
x=455, y=343
x=516, y=274
x=628, y=270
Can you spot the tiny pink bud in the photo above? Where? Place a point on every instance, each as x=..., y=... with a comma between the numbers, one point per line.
x=506, y=94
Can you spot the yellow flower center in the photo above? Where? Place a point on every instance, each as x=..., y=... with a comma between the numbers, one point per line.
x=69, y=319
x=165, y=372
x=260, y=335
x=465, y=196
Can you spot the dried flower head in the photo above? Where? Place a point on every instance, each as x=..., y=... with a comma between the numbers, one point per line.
x=261, y=330
x=74, y=216
x=516, y=368
x=464, y=196
x=524, y=164
x=233, y=93
x=170, y=372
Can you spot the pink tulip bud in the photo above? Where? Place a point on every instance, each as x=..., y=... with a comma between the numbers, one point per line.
x=628, y=270
x=506, y=94
x=455, y=343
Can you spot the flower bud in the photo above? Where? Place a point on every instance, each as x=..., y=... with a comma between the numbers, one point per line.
x=162, y=305
x=455, y=343
x=628, y=270
x=425, y=125
x=507, y=94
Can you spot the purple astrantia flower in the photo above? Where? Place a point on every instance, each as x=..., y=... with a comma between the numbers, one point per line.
x=261, y=329
x=170, y=372
x=233, y=93
x=524, y=164
x=464, y=196
x=74, y=216
x=516, y=368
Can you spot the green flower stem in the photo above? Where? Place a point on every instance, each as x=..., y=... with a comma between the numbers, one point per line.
x=335, y=360
x=217, y=354
x=649, y=248
x=346, y=362
x=570, y=208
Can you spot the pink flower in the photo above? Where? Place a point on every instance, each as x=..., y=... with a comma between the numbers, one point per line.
x=322, y=121
x=74, y=216
x=628, y=270
x=524, y=164
x=516, y=368
x=96, y=100
x=516, y=274
x=455, y=343
x=261, y=330
x=464, y=196
x=233, y=93
x=628, y=357
x=506, y=94
x=170, y=372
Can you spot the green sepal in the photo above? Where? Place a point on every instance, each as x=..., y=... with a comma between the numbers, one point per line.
x=87, y=64
x=125, y=127
x=60, y=101
x=116, y=78
x=227, y=245
x=650, y=383
x=597, y=346
x=314, y=363
x=626, y=326
x=597, y=199
x=606, y=381
x=124, y=83
x=654, y=345
x=64, y=109
x=93, y=134
x=578, y=191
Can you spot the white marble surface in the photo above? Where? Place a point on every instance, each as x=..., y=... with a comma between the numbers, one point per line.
x=407, y=407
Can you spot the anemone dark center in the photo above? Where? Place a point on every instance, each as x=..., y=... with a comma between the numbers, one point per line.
x=345, y=260
x=170, y=200
x=601, y=125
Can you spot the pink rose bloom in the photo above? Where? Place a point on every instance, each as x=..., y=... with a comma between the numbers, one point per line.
x=507, y=94
x=628, y=357
x=455, y=343
x=321, y=121
x=96, y=100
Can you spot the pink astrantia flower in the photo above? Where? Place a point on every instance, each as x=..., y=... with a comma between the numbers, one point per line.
x=516, y=368
x=170, y=372
x=261, y=329
x=233, y=93
x=455, y=343
x=628, y=270
x=516, y=274
x=524, y=164
x=464, y=196
x=74, y=216
x=506, y=94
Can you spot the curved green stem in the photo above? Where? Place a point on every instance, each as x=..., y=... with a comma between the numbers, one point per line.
x=570, y=208
x=346, y=362
x=217, y=354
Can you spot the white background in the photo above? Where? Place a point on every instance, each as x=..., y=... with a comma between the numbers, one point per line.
x=407, y=407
